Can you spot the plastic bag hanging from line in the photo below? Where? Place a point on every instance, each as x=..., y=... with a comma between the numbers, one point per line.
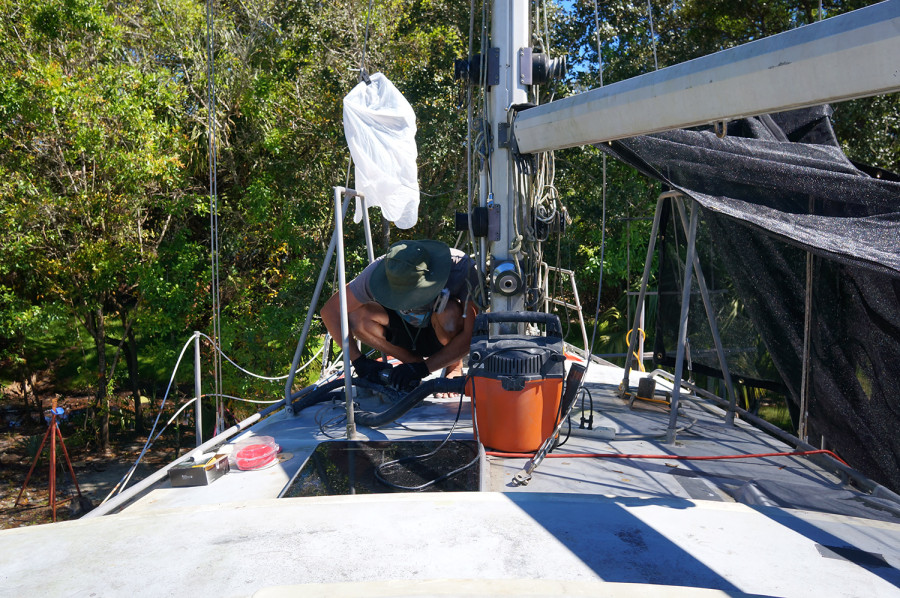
x=380, y=128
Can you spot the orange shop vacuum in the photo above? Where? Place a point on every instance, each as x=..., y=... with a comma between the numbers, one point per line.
x=516, y=381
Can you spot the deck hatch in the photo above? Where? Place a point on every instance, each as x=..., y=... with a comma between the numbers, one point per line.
x=343, y=467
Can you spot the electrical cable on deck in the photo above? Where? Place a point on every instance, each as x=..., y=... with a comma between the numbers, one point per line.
x=673, y=457
x=380, y=474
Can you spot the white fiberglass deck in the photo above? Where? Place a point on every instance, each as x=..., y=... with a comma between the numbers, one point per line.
x=775, y=526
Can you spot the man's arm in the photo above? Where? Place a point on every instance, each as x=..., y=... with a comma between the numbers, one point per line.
x=331, y=317
x=459, y=345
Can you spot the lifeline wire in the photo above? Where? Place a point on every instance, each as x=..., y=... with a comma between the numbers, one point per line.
x=248, y=400
x=127, y=476
x=249, y=373
x=188, y=403
x=120, y=486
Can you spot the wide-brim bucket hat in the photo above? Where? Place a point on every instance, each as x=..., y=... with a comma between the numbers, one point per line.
x=411, y=274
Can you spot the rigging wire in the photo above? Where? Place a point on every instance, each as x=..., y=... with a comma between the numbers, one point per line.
x=603, y=217
x=215, y=290
x=652, y=36
x=483, y=124
x=597, y=38
x=470, y=183
x=363, y=76
x=362, y=63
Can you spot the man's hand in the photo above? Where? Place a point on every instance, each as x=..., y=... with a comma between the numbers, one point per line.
x=369, y=368
x=408, y=375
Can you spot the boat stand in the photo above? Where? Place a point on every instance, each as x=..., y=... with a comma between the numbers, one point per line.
x=689, y=224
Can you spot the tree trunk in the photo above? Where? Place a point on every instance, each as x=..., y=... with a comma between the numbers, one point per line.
x=132, y=362
x=385, y=233
x=98, y=329
x=38, y=401
x=23, y=383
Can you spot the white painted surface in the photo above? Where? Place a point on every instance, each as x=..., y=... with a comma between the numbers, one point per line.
x=236, y=549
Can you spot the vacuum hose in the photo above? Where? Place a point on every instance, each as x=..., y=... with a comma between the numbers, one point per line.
x=334, y=390
x=410, y=400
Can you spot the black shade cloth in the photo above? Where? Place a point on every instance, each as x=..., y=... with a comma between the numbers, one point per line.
x=773, y=188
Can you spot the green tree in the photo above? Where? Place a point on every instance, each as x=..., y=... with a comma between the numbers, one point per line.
x=92, y=149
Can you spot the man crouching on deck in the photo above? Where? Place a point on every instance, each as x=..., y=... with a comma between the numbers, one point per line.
x=412, y=303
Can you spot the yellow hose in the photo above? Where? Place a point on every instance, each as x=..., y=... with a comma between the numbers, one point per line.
x=635, y=355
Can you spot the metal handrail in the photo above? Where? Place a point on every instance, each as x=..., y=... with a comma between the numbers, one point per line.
x=575, y=307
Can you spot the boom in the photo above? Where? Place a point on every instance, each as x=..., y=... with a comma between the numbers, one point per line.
x=848, y=56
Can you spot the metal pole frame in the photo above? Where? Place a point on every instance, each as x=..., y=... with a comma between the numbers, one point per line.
x=370, y=251
x=803, y=425
x=342, y=294
x=198, y=418
x=576, y=307
x=320, y=283
x=711, y=317
x=645, y=277
x=682, y=324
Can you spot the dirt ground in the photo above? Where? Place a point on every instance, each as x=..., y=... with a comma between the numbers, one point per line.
x=96, y=473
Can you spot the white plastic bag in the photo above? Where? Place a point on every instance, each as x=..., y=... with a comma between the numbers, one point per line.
x=380, y=128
